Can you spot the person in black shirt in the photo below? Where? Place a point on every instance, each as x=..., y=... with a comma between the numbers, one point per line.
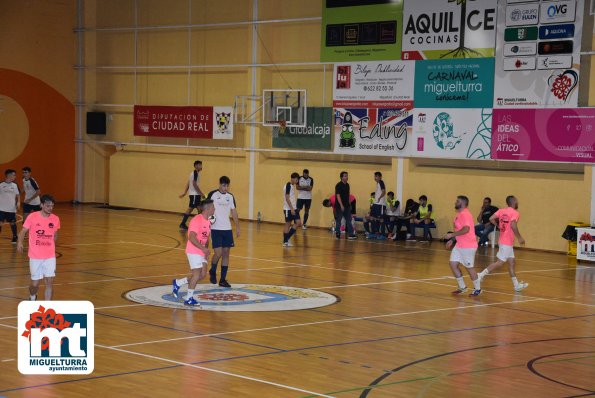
x=411, y=208
x=343, y=207
x=484, y=226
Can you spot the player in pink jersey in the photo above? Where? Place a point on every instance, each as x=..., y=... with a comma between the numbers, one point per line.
x=465, y=248
x=44, y=228
x=507, y=220
x=197, y=251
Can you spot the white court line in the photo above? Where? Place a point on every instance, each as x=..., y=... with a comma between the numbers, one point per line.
x=7, y=360
x=8, y=326
x=326, y=322
x=378, y=283
x=96, y=308
x=284, y=386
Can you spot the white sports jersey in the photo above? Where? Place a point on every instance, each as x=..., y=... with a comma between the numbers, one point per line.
x=305, y=182
x=379, y=188
x=194, y=176
x=224, y=203
x=289, y=189
x=30, y=187
x=8, y=192
x=396, y=212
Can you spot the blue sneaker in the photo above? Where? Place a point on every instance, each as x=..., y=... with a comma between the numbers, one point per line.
x=475, y=293
x=371, y=236
x=175, y=289
x=380, y=237
x=192, y=301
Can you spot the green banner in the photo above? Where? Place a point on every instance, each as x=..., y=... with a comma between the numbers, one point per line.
x=366, y=30
x=315, y=135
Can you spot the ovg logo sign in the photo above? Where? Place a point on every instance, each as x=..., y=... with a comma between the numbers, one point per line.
x=56, y=337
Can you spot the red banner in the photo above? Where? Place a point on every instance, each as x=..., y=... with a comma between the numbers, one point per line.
x=173, y=121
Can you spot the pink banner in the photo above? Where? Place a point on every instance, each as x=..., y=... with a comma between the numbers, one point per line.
x=173, y=121
x=551, y=135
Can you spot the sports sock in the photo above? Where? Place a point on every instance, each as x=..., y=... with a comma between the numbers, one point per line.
x=290, y=233
x=285, y=237
x=182, y=281
x=185, y=218
x=461, y=283
x=515, y=281
x=213, y=269
x=13, y=228
x=476, y=284
x=224, y=272
x=189, y=294
x=306, y=218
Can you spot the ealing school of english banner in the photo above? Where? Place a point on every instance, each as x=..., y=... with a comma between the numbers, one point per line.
x=555, y=135
x=211, y=122
x=315, y=135
x=372, y=104
x=438, y=29
x=363, y=29
x=538, y=54
x=450, y=83
x=452, y=133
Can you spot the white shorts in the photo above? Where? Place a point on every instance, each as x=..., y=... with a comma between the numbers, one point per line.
x=465, y=256
x=40, y=269
x=195, y=260
x=505, y=252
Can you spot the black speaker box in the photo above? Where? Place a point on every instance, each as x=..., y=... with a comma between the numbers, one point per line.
x=96, y=123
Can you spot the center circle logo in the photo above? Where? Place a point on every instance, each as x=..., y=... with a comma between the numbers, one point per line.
x=249, y=297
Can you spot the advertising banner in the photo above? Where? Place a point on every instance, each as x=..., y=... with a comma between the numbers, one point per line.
x=538, y=47
x=315, y=135
x=436, y=29
x=452, y=133
x=460, y=83
x=549, y=135
x=183, y=121
x=585, y=245
x=361, y=30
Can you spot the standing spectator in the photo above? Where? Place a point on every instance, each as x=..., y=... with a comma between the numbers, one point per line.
x=343, y=207
x=304, y=187
x=9, y=202
x=393, y=210
x=194, y=193
x=483, y=229
x=291, y=214
x=424, y=216
x=32, y=192
x=378, y=210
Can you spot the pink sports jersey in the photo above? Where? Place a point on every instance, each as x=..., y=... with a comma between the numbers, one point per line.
x=468, y=240
x=202, y=227
x=333, y=200
x=41, y=235
x=505, y=217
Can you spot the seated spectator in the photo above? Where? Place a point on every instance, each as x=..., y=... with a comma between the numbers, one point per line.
x=411, y=207
x=484, y=226
x=424, y=216
x=368, y=219
x=393, y=210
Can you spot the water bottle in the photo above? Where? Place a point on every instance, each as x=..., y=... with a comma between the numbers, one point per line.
x=258, y=217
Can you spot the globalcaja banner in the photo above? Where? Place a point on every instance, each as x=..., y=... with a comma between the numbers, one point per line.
x=452, y=133
x=183, y=121
x=361, y=30
x=538, y=47
x=386, y=84
x=315, y=135
x=550, y=135
x=435, y=29
x=372, y=131
x=461, y=83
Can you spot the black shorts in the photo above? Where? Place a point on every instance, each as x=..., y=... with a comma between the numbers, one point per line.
x=194, y=201
x=8, y=217
x=222, y=238
x=27, y=208
x=290, y=217
x=304, y=202
x=377, y=211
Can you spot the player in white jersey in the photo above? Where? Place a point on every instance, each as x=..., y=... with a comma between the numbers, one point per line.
x=194, y=193
x=290, y=212
x=221, y=232
x=304, y=187
x=378, y=210
x=32, y=201
x=9, y=202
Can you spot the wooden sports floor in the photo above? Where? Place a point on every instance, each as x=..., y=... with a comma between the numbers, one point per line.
x=396, y=331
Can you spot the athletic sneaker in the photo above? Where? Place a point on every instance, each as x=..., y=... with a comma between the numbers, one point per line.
x=304, y=227
x=460, y=290
x=352, y=237
x=337, y=236
x=213, y=277
x=380, y=237
x=410, y=238
x=224, y=283
x=183, y=227
x=371, y=236
x=475, y=293
x=287, y=244
x=14, y=240
x=33, y=298
x=521, y=286
x=192, y=301
x=175, y=288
